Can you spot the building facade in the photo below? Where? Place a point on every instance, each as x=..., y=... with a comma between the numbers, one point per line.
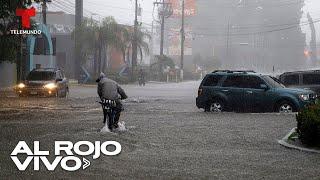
x=61, y=26
x=263, y=35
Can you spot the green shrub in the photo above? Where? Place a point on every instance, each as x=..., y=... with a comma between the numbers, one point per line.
x=309, y=125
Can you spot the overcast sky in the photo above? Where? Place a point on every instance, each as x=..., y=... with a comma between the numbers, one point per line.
x=123, y=10
x=313, y=7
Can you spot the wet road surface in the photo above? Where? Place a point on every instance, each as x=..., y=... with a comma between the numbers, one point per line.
x=168, y=137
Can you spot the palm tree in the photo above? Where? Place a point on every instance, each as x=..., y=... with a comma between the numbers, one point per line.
x=100, y=39
x=86, y=38
x=110, y=35
x=142, y=43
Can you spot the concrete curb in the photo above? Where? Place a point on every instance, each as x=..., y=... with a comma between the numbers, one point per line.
x=284, y=143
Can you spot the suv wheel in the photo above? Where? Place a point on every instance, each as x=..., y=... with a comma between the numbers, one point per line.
x=216, y=106
x=285, y=107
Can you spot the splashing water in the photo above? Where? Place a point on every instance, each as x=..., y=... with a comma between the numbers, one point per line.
x=105, y=129
x=121, y=128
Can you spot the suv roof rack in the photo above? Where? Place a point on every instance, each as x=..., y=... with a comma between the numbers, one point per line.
x=306, y=71
x=234, y=71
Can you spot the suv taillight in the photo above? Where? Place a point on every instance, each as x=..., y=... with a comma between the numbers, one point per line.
x=199, y=91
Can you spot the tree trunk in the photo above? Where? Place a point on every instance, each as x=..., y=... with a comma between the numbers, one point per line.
x=99, y=54
x=141, y=55
x=95, y=62
x=128, y=56
x=105, y=58
x=124, y=55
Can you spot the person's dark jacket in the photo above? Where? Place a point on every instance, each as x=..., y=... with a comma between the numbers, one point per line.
x=109, y=89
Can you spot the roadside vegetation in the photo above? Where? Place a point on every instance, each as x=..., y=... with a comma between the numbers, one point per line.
x=98, y=40
x=10, y=45
x=308, y=128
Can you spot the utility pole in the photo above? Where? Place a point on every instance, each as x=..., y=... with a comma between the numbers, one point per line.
x=78, y=22
x=19, y=63
x=228, y=37
x=313, y=42
x=162, y=29
x=44, y=11
x=79, y=12
x=166, y=12
x=182, y=42
x=134, y=44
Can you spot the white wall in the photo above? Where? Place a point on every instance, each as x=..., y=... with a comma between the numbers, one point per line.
x=45, y=61
x=8, y=74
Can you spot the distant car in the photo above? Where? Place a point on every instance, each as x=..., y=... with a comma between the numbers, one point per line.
x=249, y=91
x=302, y=79
x=44, y=82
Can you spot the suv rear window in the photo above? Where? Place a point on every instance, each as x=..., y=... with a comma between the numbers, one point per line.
x=41, y=76
x=311, y=79
x=291, y=79
x=212, y=80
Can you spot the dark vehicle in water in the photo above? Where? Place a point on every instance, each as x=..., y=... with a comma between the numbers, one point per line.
x=302, y=79
x=44, y=82
x=249, y=91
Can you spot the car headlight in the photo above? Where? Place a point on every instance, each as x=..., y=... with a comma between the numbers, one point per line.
x=304, y=97
x=50, y=86
x=21, y=86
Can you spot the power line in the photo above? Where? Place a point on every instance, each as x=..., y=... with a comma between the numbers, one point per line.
x=248, y=34
x=115, y=7
x=251, y=5
x=256, y=33
x=68, y=8
x=254, y=26
x=61, y=9
x=69, y=5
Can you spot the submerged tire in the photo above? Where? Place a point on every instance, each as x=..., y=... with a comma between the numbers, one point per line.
x=217, y=105
x=285, y=107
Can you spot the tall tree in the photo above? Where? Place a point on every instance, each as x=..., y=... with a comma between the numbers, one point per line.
x=142, y=39
x=87, y=37
x=98, y=40
x=10, y=44
x=110, y=36
x=101, y=39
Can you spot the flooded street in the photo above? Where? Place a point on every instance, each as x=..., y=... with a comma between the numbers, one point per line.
x=167, y=137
